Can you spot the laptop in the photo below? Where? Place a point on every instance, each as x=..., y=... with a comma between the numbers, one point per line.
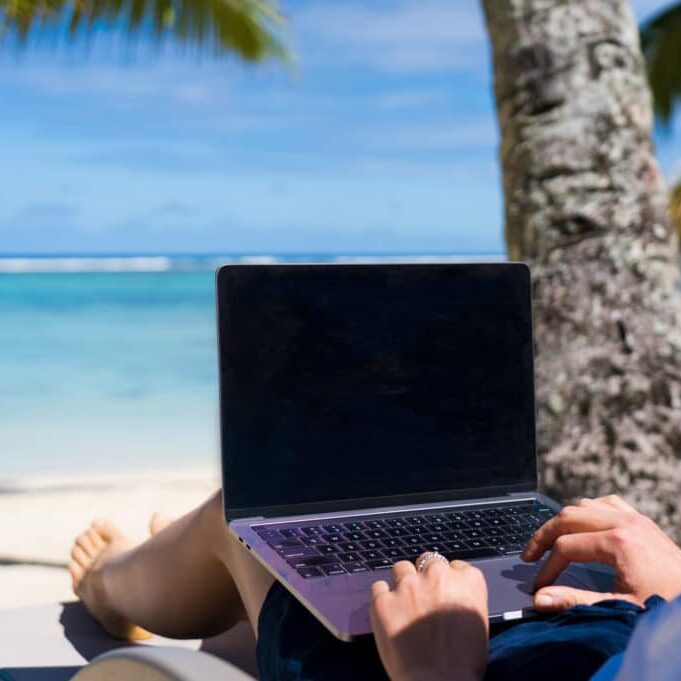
x=371, y=412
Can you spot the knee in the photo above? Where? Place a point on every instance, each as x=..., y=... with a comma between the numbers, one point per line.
x=211, y=517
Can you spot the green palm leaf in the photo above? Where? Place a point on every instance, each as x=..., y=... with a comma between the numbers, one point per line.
x=661, y=43
x=249, y=28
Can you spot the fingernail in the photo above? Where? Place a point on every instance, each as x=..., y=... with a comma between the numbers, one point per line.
x=544, y=600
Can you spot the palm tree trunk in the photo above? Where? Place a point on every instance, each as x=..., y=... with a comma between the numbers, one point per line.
x=586, y=206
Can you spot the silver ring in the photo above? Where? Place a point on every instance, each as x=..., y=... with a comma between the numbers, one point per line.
x=427, y=558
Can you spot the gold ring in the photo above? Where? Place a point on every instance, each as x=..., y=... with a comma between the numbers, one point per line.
x=427, y=558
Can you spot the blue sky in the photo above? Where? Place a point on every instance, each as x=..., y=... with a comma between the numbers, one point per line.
x=384, y=140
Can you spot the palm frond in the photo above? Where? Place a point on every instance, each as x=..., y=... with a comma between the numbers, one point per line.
x=250, y=28
x=661, y=44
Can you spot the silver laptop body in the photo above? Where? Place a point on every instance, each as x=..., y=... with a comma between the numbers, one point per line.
x=370, y=412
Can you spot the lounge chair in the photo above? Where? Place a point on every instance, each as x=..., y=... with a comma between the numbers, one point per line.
x=61, y=641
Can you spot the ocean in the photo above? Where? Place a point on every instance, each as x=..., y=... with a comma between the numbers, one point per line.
x=109, y=363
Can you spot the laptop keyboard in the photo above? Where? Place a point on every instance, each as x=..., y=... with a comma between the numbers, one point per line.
x=364, y=544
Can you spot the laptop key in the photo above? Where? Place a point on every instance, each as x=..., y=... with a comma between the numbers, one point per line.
x=455, y=547
x=354, y=536
x=380, y=564
x=334, y=569
x=350, y=546
x=355, y=568
x=374, y=524
x=312, y=561
x=309, y=572
x=327, y=548
x=392, y=542
x=457, y=526
x=332, y=538
x=311, y=540
x=371, y=555
x=474, y=554
x=289, y=534
x=350, y=557
x=397, y=531
x=370, y=544
x=376, y=534
x=298, y=551
x=513, y=548
x=311, y=531
x=284, y=543
x=397, y=522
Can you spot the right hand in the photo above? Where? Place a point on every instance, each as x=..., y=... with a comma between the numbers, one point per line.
x=606, y=530
x=432, y=625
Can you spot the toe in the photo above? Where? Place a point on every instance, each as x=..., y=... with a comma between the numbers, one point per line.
x=106, y=530
x=80, y=557
x=159, y=522
x=96, y=539
x=85, y=542
x=77, y=573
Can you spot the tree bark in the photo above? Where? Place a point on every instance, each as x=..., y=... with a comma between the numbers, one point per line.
x=586, y=207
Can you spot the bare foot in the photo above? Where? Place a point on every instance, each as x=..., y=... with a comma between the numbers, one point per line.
x=91, y=552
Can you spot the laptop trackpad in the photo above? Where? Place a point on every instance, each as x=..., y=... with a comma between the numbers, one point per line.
x=511, y=583
x=589, y=576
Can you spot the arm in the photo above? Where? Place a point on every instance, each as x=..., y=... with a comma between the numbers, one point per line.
x=606, y=530
x=433, y=625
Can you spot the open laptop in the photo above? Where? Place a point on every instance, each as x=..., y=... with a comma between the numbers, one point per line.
x=373, y=412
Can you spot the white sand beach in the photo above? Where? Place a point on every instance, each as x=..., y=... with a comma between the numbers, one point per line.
x=42, y=516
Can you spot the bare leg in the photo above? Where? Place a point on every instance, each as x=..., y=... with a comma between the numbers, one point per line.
x=190, y=580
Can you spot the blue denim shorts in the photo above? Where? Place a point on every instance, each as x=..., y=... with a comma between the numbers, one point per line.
x=570, y=646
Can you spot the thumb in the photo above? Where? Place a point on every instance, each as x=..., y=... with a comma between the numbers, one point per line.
x=556, y=598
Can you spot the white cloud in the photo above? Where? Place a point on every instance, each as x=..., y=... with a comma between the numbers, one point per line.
x=405, y=36
x=118, y=82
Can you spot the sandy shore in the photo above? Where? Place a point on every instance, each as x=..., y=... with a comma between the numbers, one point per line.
x=41, y=516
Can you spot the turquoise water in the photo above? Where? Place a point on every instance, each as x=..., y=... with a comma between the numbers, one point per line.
x=109, y=368
x=107, y=371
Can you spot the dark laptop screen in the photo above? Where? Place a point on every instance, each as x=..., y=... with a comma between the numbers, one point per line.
x=345, y=382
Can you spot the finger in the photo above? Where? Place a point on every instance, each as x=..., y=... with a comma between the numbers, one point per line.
x=579, y=548
x=571, y=520
x=401, y=569
x=459, y=565
x=378, y=589
x=616, y=502
x=555, y=598
x=430, y=564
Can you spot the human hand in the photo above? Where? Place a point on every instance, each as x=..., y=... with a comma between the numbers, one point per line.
x=433, y=625
x=606, y=530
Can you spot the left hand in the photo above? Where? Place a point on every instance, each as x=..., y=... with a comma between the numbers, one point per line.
x=433, y=625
